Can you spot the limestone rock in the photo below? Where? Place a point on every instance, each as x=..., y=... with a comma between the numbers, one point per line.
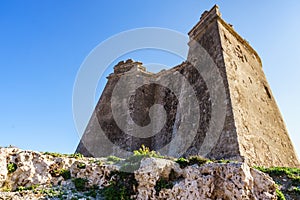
x=151, y=169
x=32, y=169
x=209, y=181
x=3, y=167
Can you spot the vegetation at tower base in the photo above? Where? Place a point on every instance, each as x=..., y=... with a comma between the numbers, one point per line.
x=287, y=180
x=122, y=186
x=133, y=162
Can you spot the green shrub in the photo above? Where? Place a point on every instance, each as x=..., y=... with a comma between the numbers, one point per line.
x=161, y=184
x=295, y=180
x=182, y=162
x=192, y=160
x=66, y=174
x=55, y=154
x=199, y=160
x=76, y=155
x=52, y=193
x=113, y=159
x=80, y=183
x=121, y=186
x=291, y=186
x=11, y=167
x=133, y=162
x=291, y=173
x=81, y=165
x=98, y=162
x=296, y=190
x=223, y=161
x=145, y=151
x=112, y=192
x=93, y=191
x=130, y=167
x=22, y=188
x=280, y=195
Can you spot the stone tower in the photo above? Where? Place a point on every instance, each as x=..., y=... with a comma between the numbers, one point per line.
x=252, y=130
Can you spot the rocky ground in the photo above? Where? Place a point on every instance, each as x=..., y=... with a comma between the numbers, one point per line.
x=287, y=180
x=145, y=175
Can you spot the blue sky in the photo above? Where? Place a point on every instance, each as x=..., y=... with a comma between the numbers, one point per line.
x=43, y=43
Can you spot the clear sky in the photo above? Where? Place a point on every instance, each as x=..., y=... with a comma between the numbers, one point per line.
x=43, y=43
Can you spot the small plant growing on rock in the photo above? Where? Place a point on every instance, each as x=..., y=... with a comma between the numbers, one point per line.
x=280, y=195
x=80, y=184
x=11, y=167
x=145, y=152
x=66, y=174
x=182, y=162
x=290, y=172
x=133, y=162
x=113, y=159
x=81, y=165
x=223, y=161
x=93, y=191
x=130, y=166
x=76, y=155
x=161, y=184
x=122, y=186
x=22, y=188
x=296, y=190
x=98, y=162
x=199, y=160
x=52, y=193
x=287, y=187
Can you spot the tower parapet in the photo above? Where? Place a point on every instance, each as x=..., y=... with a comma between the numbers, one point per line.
x=128, y=65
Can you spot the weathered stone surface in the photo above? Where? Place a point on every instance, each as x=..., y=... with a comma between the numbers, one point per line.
x=150, y=171
x=253, y=130
x=31, y=169
x=3, y=167
x=263, y=137
x=209, y=181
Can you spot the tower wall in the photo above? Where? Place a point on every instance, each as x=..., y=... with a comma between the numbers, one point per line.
x=206, y=33
x=262, y=135
x=253, y=129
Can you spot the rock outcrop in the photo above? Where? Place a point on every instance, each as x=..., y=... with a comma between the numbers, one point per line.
x=33, y=175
